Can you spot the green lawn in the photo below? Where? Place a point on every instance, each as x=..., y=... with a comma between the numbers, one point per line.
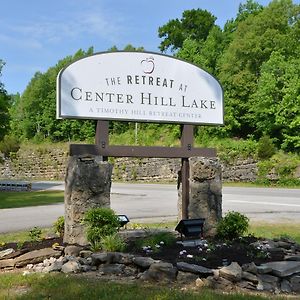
x=60, y=286
x=22, y=199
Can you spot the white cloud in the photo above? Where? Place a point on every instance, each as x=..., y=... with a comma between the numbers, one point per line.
x=38, y=33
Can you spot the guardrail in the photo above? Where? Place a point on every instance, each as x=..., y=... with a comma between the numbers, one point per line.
x=15, y=186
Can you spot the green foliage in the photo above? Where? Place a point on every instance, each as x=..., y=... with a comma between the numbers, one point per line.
x=283, y=166
x=112, y=242
x=265, y=147
x=232, y=226
x=194, y=24
x=10, y=144
x=35, y=234
x=100, y=222
x=59, y=226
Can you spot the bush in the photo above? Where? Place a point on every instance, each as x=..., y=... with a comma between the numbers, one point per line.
x=112, y=242
x=265, y=147
x=9, y=145
x=232, y=226
x=35, y=234
x=100, y=222
x=59, y=226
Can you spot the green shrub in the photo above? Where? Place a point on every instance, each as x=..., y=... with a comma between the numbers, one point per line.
x=112, y=242
x=265, y=148
x=35, y=234
x=100, y=222
x=232, y=226
x=9, y=145
x=59, y=226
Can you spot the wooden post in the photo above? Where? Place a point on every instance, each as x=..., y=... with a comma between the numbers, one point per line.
x=187, y=137
x=102, y=135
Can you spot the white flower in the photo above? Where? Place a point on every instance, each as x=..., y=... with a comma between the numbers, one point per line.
x=162, y=242
x=189, y=256
x=157, y=246
x=208, y=250
x=204, y=259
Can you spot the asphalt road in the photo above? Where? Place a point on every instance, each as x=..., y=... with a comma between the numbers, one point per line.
x=152, y=202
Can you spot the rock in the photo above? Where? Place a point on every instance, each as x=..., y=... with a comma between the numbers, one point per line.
x=233, y=272
x=87, y=185
x=196, y=269
x=263, y=269
x=186, y=278
x=71, y=266
x=200, y=283
x=7, y=263
x=268, y=278
x=55, y=267
x=285, y=286
x=36, y=256
x=85, y=268
x=276, y=253
x=130, y=271
x=6, y=252
x=246, y=285
x=143, y=262
x=85, y=253
x=160, y=271
x=101, y=258
x=73, y=250
x=205, y=192
x=292, y=257
x=111, y=269
x=16, y=253
x=283, y=268
x=251, y=268
x=295, y=283
x=249, y=277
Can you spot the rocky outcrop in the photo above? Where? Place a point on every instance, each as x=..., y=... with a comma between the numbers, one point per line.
x=87, y=185
x=205, y=192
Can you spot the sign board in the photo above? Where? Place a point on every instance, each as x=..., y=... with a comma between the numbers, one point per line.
x=138, y=86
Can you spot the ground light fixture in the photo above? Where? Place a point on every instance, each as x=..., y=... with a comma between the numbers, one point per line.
x=191, y=228
x=123, y=219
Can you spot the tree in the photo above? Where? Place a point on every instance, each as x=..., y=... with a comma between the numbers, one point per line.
x=272, y=29
x=4, y=107
x=195, y=24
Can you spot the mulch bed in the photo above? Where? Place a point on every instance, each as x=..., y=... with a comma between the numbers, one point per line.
x=219, y=254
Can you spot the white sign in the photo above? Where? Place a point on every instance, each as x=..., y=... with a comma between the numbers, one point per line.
x=138, y=86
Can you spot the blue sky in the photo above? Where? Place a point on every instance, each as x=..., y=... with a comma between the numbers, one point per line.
x=35, y=34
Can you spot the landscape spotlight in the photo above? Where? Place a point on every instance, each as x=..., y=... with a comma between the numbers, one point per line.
x=191, y=227
x=123, y=220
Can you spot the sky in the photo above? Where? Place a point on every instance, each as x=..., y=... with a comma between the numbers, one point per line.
x=36, y=34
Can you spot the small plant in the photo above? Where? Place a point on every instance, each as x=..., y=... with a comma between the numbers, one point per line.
x=100, y=222
x=20, y=245
x=59, y=226
x=112, y=242
x=265, y=148
x=35, y=234
x=232, y=226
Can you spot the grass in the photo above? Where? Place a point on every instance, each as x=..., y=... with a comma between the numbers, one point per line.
x=50, y=286
x=23, y=199
x=271, y=230
x=20, y=236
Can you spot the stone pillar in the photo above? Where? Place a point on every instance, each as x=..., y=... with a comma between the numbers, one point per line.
x=205, y=192
x=87, y=185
